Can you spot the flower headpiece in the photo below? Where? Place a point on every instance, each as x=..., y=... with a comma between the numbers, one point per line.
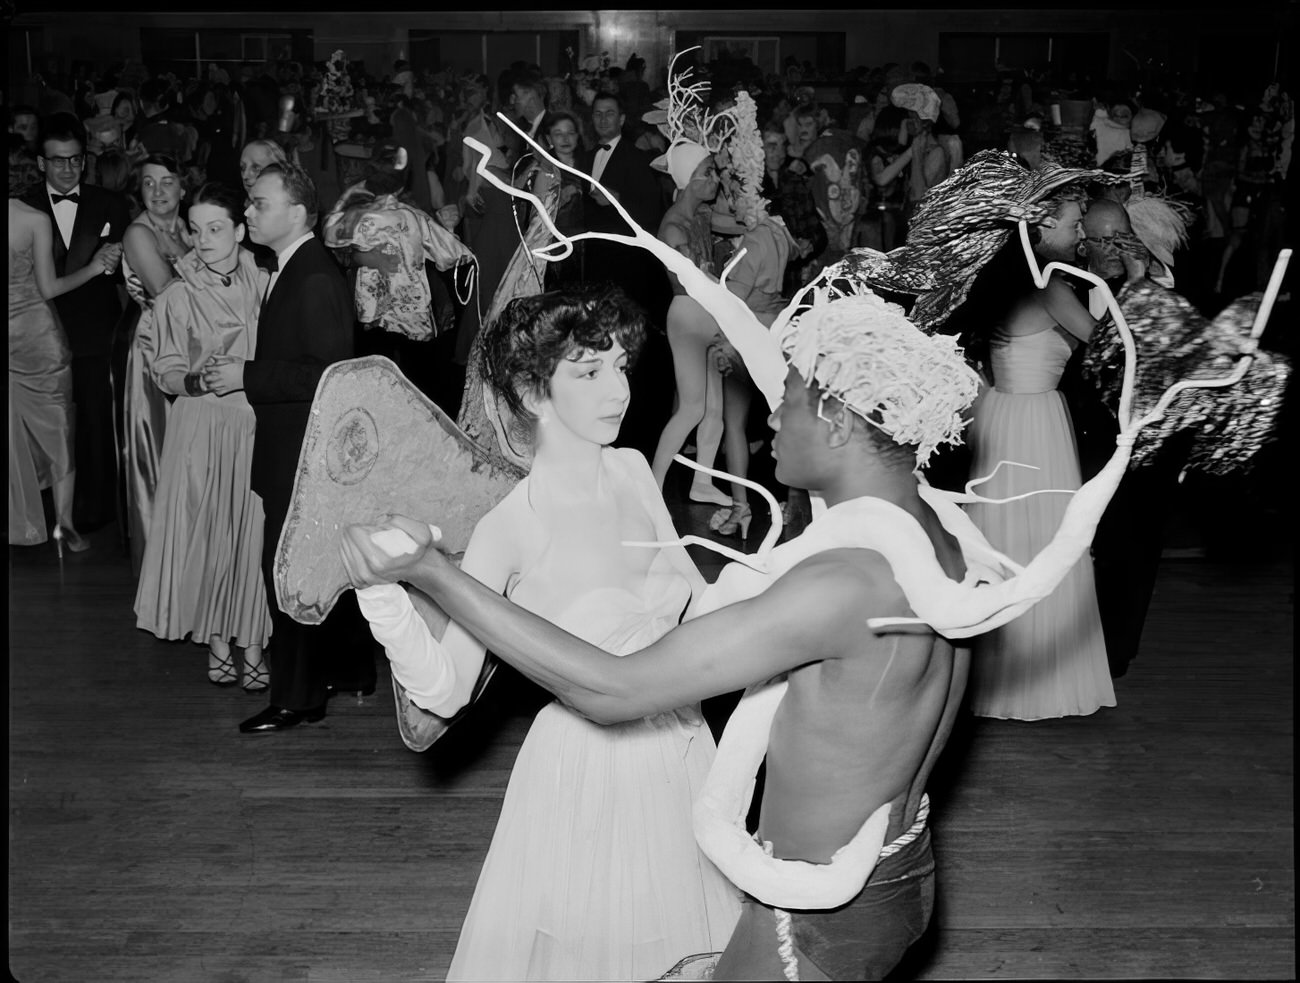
x=744, y=166
x=335, y=93
x=693, y=133
x=862, y=350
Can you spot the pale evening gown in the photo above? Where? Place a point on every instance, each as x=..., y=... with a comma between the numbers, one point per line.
x=202, y=568
x=41, y=412
x=1051, y=661
x=593, y=872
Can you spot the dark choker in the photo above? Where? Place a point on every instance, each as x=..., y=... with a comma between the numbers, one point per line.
x=225, y=277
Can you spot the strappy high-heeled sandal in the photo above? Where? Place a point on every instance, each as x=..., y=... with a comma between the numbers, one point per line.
x=256, y=677
x=727, y=522
x=221, y=668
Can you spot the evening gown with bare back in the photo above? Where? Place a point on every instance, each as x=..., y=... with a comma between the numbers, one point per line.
x=593, y=872
x=1051, y=661
x=41, y=412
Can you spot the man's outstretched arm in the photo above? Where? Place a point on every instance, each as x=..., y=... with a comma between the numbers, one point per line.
x=816, y=611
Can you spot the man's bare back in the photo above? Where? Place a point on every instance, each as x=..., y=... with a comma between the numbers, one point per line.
x=858, y=731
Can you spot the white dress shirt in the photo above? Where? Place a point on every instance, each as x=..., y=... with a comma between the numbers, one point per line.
x=65, y=212
x=602, y=157
x=281, y=258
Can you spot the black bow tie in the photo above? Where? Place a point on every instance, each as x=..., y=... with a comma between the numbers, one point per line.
x=74, y=198
x=269, y=263
x=604, y=146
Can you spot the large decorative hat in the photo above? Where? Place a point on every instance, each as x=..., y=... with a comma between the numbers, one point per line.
x=693, y=133
x=960, y=225
x=920, y=98
x=862, y=350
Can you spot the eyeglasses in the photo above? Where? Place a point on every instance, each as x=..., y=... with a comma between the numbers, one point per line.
x=72, y=163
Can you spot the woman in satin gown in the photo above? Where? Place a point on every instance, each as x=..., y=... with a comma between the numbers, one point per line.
x=1051, y=661
x=593, y=872
x=202, y=576
x=41, y=411
x=153, y=243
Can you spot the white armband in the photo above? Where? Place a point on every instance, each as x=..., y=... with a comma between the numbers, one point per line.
x=419, y=662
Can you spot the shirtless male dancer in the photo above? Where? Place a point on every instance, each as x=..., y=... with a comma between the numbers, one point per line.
x=864, y=714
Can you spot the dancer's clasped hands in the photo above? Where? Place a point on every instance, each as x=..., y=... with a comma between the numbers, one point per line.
x=386, y=552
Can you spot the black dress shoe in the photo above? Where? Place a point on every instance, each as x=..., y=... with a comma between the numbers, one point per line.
x=280, y=718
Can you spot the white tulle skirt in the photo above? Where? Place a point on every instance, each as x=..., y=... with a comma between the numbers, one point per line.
x=1051, y=661
x=593, y=872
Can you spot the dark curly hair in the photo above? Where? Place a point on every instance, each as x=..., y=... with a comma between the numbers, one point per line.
x=522, y=348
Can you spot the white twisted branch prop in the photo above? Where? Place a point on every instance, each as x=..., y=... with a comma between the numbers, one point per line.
x=962, y=613
x=745, y=332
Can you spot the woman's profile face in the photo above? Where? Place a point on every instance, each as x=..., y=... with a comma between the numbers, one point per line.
x=564, y=138
x=252, y=162
x=216, y=233
x=589, y=395
x=705, y=179
x=1061, y=241
x=125, y=111
x=160, y=190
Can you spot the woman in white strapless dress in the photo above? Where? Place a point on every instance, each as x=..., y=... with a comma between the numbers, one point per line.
x=1051, y=661
x=593, y=872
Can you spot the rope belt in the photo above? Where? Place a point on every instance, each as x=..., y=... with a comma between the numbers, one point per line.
x=784, y=923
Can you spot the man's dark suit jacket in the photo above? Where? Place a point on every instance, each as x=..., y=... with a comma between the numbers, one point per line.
x=629, y=173
x=305, y=326
x=91, y=312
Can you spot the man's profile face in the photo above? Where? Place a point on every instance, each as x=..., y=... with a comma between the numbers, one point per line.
x=272, y=219
x=62, y=161
x=1100, y=226
x=606, y=119
x=796, y=433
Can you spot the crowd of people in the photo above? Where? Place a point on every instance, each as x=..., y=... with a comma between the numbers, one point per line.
x=188, y=257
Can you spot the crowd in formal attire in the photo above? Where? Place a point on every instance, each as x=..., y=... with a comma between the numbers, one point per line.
x=188, y=257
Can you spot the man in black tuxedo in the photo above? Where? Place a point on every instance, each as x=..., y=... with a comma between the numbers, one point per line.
x=528, y=98
x=624, y=170
x=306, y=324
x=84, y=218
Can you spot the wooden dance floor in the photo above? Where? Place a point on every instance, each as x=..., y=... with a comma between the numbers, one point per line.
x=149, y=841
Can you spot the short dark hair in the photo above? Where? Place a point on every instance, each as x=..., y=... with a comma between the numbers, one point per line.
x=113, y=170
x=557, y=116
x=164, y=160
x=17, y=111
x=534, y=82
x=522, y=348
x=807, y=111
x=613, y=97
x=64, y=127
x=223, y=196
x=297, y=185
